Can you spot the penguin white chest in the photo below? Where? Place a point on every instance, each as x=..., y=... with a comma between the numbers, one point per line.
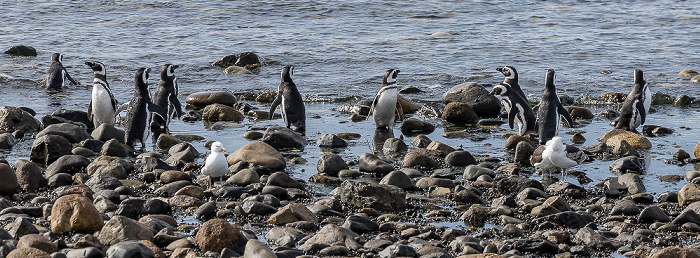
x=102, y=108
x=385, y=108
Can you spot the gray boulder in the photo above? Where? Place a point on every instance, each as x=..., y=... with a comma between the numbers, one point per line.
x=282, y=138
x=331, y=164
x=48, y=148
x=72, y=132
x=476, y=96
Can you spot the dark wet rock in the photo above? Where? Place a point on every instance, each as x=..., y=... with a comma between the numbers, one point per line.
x=154, y=206
x=360, y=224
x=424, y=158
x=70, y=164
x=21, y=50
x=625, y=207
x=7, y=141
x=114, y=148
x=247, y=60
x=93, y=145
x=536, y=246
x=83, y=152
x=282, y=179
x=279, y=192
x=282, y=138
x=656, y=131
x=569, y=219
x=365, y=194
x=71, y=132
x=430, y=111
x=8, y=184
x=472, y=172
x=682, y=100
x=394, y=145
x=218, y=112
x=595, y=240
x=48, y=148
x=468, y=195
x=131, y=208
x=292, y=213
x=421, y=141
x=513, y=185
x=259, y=153
x=476, y=96
x=523, y=152
x=398, y=179
x=370, y=163
x=460, y=159
x=60, y=179
x=624, y=149
x=629, y=164
x=687, y=215
x=653, y=214
x=234, y=192
x=459, y=113
x=415, y=126
x=331, y=141
x=681, y=155
x=331, y=164
x=127, y=249
x=29, y=175
x=75, y=213
x=579, y=112
x=408, y=106
x=244, y=177
x=511, y=230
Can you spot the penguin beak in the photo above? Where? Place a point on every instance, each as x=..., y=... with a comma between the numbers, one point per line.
x=500, y=69
x=88, y=64
x=176, y=66
x=493, y=92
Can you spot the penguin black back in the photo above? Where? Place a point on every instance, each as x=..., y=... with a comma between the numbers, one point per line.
x=57, y=75
x=636, y=106
x=139, y=110
x=166, y=98
x=549, y=111
x=293, y=110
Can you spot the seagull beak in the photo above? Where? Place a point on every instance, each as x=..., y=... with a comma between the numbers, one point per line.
x=223, y=149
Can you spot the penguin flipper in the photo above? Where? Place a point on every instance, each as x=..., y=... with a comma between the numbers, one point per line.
x=89, y=113
x=275, y=103
x=567, y=116
x=70, y=78
x=176, y=102
x=511, y=116
x=157, y=110
x=642, y=111
x=399, y=110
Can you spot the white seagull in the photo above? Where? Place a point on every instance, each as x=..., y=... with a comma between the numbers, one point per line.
x=216, y=164
x=554, y=157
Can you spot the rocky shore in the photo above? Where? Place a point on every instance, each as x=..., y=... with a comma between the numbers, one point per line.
x=82, y=193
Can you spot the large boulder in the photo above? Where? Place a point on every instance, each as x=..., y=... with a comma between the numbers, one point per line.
x=476, y=96
x=371, y=163
x=258, y=153
x=386, y=198
x=690, y=193
x=8, y=184
x=282, y=138
x=75, y=213
x=217, y=234
x=16, y=119
x=48, y=148
x=247, y=60
x=616, y=136
x=70, y=164
x=106, y=132
x=75, y=116
x=29, y=175
x=459, y=113
x=331, y=164
x=423, y=158
x=72, y=132
x=218, y=112
x=203, y=99
x=120, y=228
x=21, y=50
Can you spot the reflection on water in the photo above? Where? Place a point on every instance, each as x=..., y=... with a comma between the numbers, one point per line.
x=380, y=136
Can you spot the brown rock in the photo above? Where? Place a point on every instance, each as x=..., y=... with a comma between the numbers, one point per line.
x=29, y=175
x=28, y=252
x=696, y=151
x=407, y=105
x=292, y=213
x=614, y=137
x=614, y=97
x=219, y=112
x=259, y=153
x=37, y=241
x=203, y=99
x=677, y=252
x=158, y=253
x=75, y=213
x=579, y=112
x=459, y=113
x=217, y=234
x=513, y=141
x=690, y=193
x=8, y=182
x=167, y=218
x=441, y=147
x=174, y=176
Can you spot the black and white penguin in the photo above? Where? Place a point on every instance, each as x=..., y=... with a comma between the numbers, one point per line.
x=103, y=105
x=166, y=98
x=636, y=106
x=385, y=104
x=139, y=111
x=293, y=110
x=549, y=111
x=511, y=78
x=519, y=110
x=57, y=76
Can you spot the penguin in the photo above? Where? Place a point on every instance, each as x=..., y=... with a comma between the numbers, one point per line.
x=216, y=164
x=103, y=106
x=511, y=78
x=549, y=111
x=636, y=106
x=166, y=98
x=139, y=111
x=385, y=104
x=57, y=75
x=555, y=156
x=519, y=110
x=293, y=110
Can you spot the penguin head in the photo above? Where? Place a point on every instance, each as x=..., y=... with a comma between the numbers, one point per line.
x=500, y=89
x=390, y=76
x=97, y=67
x=549, y=78
x=509, y=72
x=639, y=77
x=217, y=147
x=168, y=71
x=287, y=72
x=56, y=57
x=142, y=75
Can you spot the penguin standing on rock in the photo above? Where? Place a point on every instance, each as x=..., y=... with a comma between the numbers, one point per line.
x=385, y=104
x=636, y=106
x=519, y=110
x=166, y=98
x=103, y=105
x=139, y=111
x=57, y=76
x=511, y=78
x=293, y=110
x=549, y=111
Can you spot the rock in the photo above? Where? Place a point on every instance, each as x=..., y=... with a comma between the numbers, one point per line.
x=365, y=194
x=173, y=176
x=625, y=207
x=115, y=148
x=656, y=131
x=624, y=149
x=75, y=213
x=690, y=193
x=48, y=148
x=166, y=141
x=613, y=97
x=21, y=50
x=688, y=73
x=244, y=177
x=70, y=164
x=330, y=234
x=107, y=167
x=514, y=140
x=171, y=188
x=281, y=179
x=28, y=252
x=7, y=141
x=106, y=132
x=331, y=164
x=421, y=141
x=21, y=226
x=331, y=141
x=476, y=96
x=370, y=163
x=217, y=234
x=460, y=159
x=258, y=153
x=472, y=172
x=632, y=182
x=394, y=146
x=120, y=228
x=218, y=112
x=37, y=241
x=8, y=184
x=683, y=100
x=459, y=113
x=695, y=79
x=614, y=137
x=29, y=175
x=127, y=249
x=424, y=158
x=408, y=106
x=182, y=152
x=236, y=70
x=514, y=185
x=282, y=138
x=398, y=179
x=415, y=126
x=247, y=60
x=579, y=112
x=72, y=132
x=266, y=96
x=629, y=164
x=523, y=152
x=256, y=249
x=653, y=214
x=398, y=251
x=16, y=119
x=696, y=151
x=578, y=138
x=292, y=213
x=675, y=251
x=250, y=207
x=430, y=111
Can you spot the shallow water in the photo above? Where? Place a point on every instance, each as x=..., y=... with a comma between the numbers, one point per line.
x=341, y=49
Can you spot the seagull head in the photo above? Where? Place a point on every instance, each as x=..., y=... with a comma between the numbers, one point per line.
x=217, y=147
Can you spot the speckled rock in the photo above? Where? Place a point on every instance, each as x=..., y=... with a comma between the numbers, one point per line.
x=415, y=126
x=217, y=234
x=75, y=213
x=120, y=228
x=365, y=194
x=613, y=138
x=37, y=241
x=690, y=193
x=28, y=252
